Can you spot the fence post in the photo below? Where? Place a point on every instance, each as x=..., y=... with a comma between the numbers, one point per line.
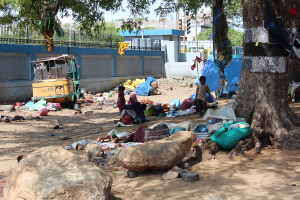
x=110, y=41
x=27, y=34
x=74, y=39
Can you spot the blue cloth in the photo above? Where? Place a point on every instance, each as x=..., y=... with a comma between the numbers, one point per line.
x=177, y=102
x=212, y=121
x=137, y=107
x=29, y=103
x=144, y=88
x=221, y=40
x=210, y=98
x=274, y=27
x=232, y=73
x=175, y=130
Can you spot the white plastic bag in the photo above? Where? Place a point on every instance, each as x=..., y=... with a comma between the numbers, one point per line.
x=225, y=113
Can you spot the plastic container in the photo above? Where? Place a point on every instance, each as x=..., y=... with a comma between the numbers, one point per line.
x=202, y=135
x=173, y=105
x=53, y=104
x=158, y=110
x=149, y=112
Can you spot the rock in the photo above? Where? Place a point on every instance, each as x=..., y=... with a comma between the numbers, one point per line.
x=293, y=184
x=157, y=155
x=179, y=170
x=93, y=150
x=99, y=160
x=179, y=78
x=170, y=175
x=56, y=173
x=191, y=85
x=111, y=161
x=7, y=107
x=190, y=177
x=132, y=174
x=184, y=85
x=213, y=198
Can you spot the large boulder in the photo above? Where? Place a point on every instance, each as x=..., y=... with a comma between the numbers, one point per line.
x=57, y=174
x=158, y=155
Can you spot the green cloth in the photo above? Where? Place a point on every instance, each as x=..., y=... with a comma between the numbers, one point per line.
x=228, y=137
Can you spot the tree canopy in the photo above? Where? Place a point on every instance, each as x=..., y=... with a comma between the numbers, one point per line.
x=235, y=36
x=89, y=14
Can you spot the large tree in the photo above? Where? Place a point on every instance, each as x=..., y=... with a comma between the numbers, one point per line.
x=264, y=82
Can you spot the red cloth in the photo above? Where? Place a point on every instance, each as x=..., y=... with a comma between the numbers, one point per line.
x=127, y=120
x=147, y=101
x=186, y=104
x=121, y=98
x=293, y=11
x=19, y=104
x=138, y=136
x=166, y=108
x=120, y=106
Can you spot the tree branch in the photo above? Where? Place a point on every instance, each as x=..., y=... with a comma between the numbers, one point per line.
x=54, y=7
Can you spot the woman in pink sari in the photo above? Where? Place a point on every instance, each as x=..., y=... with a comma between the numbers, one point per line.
x=132, y=98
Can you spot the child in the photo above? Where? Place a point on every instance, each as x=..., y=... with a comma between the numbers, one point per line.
x=201, y=91
x=121, y=98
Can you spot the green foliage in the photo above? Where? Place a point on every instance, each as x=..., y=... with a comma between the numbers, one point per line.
x=204, y=35
x=89, y=14
x=235, y=36
x=150, y=28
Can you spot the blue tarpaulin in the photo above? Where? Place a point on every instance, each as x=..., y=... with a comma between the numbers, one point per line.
x=232, y=73
x=144, y=88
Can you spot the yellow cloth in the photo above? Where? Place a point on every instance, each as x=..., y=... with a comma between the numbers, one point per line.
x=123, y=46
x=133, y=84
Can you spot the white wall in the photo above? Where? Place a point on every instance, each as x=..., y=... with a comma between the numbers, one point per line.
x=180, y=69
x=171, y=49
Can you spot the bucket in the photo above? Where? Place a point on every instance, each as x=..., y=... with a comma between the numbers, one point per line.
x=149, y=112
x=202, y=135
x=173, y=105
x=158, y=110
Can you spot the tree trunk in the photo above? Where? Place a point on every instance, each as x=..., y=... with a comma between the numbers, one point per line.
x=264, y=82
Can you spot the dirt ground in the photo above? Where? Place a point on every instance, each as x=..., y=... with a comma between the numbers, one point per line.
x=269, y=175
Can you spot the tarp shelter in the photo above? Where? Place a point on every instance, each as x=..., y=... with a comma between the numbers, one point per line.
x=232, y=73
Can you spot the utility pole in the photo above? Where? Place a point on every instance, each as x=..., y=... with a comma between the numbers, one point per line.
x=196, y=39
x=177, y=20
x=183, y=28
x=70, y=28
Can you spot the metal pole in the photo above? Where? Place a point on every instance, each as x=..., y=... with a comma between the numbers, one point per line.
x=183, y=28
x=177, y=20
x=196, y=39
x=74, y=38
x=70, y=28
x=79, y=38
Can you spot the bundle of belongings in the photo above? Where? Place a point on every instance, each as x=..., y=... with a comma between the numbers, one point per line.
x=143, y=134
x=149, y=87
x=228, y=132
